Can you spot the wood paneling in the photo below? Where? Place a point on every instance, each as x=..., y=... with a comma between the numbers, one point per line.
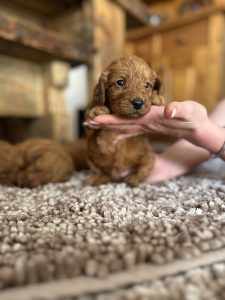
x=37, y=37
x=189, y=55
x=46, y=8
x=185, y=39
x=105, y=30
x=21, y=87
x=137, y=9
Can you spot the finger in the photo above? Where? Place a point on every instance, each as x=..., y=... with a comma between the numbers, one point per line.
x=177, y=124
x=132, y=128
x=111, y=119
x=185, y=110
x=90, y=125
x=155, y=113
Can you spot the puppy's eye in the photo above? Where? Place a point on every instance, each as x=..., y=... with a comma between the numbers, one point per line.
x=147, y=85
x=120, y=82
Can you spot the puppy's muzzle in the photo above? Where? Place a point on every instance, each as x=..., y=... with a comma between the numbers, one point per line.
x=137, y=103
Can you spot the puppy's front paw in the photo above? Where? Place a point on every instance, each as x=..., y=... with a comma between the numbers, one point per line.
x=132, y=180
x=157, y=99
x=98, y=110
x=97, y=179
x=28, y=179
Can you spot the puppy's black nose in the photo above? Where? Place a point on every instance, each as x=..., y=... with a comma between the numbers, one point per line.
x=137, y=103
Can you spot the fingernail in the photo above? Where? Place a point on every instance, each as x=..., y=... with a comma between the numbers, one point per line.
x=94, y=123
x=173, y=113
x=90, y=123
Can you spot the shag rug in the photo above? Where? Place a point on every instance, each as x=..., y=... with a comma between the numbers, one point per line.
x=162, y=241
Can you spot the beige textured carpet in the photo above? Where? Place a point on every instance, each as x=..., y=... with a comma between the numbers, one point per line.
x=139, y=241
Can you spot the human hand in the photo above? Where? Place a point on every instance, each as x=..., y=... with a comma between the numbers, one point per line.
x=178, y=119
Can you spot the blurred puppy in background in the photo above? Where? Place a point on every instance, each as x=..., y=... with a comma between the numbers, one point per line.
x=44, y=161
x=34, y=162
x=77, y=150
x=10, y=163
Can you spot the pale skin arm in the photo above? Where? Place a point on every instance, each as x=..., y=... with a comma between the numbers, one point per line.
x=183, y=156
x=202, y=134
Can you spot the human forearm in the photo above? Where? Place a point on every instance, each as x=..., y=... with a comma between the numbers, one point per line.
x=210, y=137
x=176, y=160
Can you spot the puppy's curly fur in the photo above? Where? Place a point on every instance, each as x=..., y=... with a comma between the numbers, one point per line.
x=128, y=87
x=34, y=162
x=10, y=163
x=78, y=152
x=43, y=161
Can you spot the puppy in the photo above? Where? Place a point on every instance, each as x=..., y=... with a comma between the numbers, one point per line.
x=128, y=87
x=78, y=152
x=43, y=161
x=10, y=163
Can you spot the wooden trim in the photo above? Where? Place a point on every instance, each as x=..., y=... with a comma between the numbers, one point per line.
x=137, y=9
x=179, y=21
x=40, y=38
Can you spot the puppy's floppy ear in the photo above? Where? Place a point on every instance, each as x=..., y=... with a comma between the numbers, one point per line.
x=157, y=85
x=100, y=89
x=156, y=98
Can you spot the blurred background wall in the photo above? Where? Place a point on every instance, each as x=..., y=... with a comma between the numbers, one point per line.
x=52, y=52
x=76, y=97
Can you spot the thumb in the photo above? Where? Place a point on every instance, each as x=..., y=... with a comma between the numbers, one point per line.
x=170, y=110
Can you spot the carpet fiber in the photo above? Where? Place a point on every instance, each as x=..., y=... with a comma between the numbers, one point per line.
x=68, y=230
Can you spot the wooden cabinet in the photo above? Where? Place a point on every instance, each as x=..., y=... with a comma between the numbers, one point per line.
x=188, y=53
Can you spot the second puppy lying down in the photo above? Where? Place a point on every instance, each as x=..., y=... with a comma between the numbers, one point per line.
x=77, y=150
x=128, y=87
x=34, y=162
x=43, y=161
x=10, y=163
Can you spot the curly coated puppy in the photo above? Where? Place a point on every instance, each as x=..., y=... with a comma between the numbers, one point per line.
x=43, y=161
x=128, y=87
x=34, y=162
x=78, y=152
x=10, y=163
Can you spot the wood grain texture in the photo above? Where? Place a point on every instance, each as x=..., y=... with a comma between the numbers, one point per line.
x=40, y=38
x=21, y=88
x=137, y=9
x=188, y=53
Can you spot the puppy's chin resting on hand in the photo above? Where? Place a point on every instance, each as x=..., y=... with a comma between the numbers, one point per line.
x=128, y=87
